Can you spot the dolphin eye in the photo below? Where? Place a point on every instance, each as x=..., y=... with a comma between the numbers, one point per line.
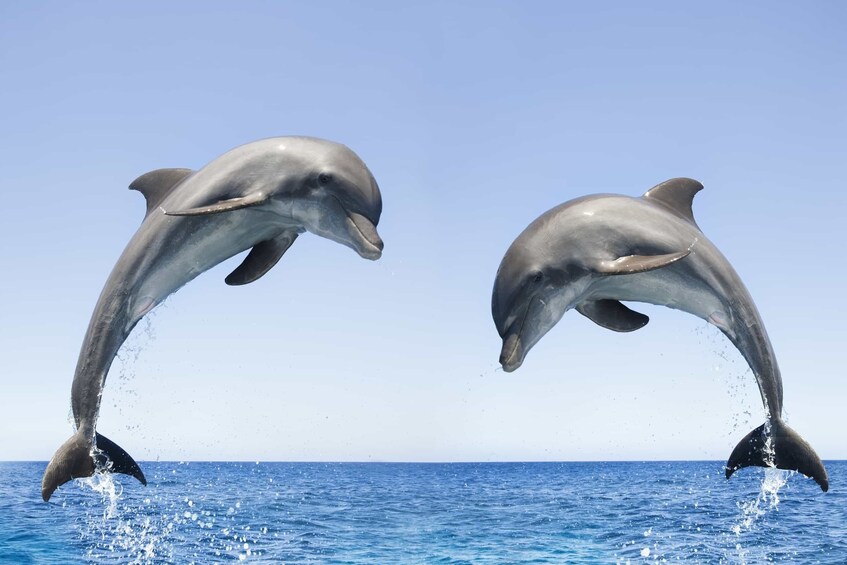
x=538, y=277
x=324, y=179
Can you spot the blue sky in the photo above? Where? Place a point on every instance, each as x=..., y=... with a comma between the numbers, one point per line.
x=475, y=118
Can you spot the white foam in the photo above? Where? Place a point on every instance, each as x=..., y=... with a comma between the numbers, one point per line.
x=766, y=501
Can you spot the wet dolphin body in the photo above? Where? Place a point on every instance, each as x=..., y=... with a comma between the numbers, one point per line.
x=594, y=251
x=259, y=196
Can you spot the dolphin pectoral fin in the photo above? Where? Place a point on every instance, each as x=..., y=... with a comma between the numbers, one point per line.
x=612, y=315
x=261, y=258
x=676, y=194
x=72, y=461
x=113, y=458
x=785, y=450
x=223, y=206
x=155, y=185
x=632, y=264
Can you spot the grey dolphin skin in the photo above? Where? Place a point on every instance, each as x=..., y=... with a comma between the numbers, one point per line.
x=593, y=252
x=259, y=196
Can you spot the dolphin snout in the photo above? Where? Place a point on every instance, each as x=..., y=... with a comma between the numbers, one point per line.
x=368, y=243
x=511, y=356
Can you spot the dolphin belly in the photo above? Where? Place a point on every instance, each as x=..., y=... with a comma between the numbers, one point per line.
x=668, y=287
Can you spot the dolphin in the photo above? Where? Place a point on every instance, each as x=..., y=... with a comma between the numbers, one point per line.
x=593, y=252
x=259, y=196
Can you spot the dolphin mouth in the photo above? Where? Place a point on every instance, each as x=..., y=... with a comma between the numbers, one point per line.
x=513, y=353
x=367, y=242
x=511, y=356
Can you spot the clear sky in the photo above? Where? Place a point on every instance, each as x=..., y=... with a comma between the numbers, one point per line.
x=475, y=118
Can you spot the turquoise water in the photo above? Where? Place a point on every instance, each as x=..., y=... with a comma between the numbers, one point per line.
x=426, y=513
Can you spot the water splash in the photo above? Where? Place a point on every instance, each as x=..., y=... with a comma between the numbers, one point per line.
x=153, y=526
x=114, y=531
x=135, y=344
x=766, y=502
x=110, y=491
x=736, y=374
x=492, y=371
x=122, y=384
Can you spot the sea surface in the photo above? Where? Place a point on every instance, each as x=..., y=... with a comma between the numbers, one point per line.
x=426, y=513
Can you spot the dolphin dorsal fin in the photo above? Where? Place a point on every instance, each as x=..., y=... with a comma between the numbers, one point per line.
x=155, y=185
x=676, y=194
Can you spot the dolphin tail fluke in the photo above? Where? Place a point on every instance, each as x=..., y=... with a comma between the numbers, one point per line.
x=78, y=458
x=113, y=458
x=779, y=447
x=72, y=461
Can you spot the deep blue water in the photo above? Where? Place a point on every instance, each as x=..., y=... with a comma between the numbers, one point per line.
x=426, y=513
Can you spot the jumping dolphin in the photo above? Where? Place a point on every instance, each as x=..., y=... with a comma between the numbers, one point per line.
x=594, y=251
x=259, y=196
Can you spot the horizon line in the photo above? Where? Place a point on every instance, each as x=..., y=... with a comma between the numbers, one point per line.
x=389, y=462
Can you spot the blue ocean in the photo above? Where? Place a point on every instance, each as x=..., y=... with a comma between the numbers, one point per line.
x=426, y=513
